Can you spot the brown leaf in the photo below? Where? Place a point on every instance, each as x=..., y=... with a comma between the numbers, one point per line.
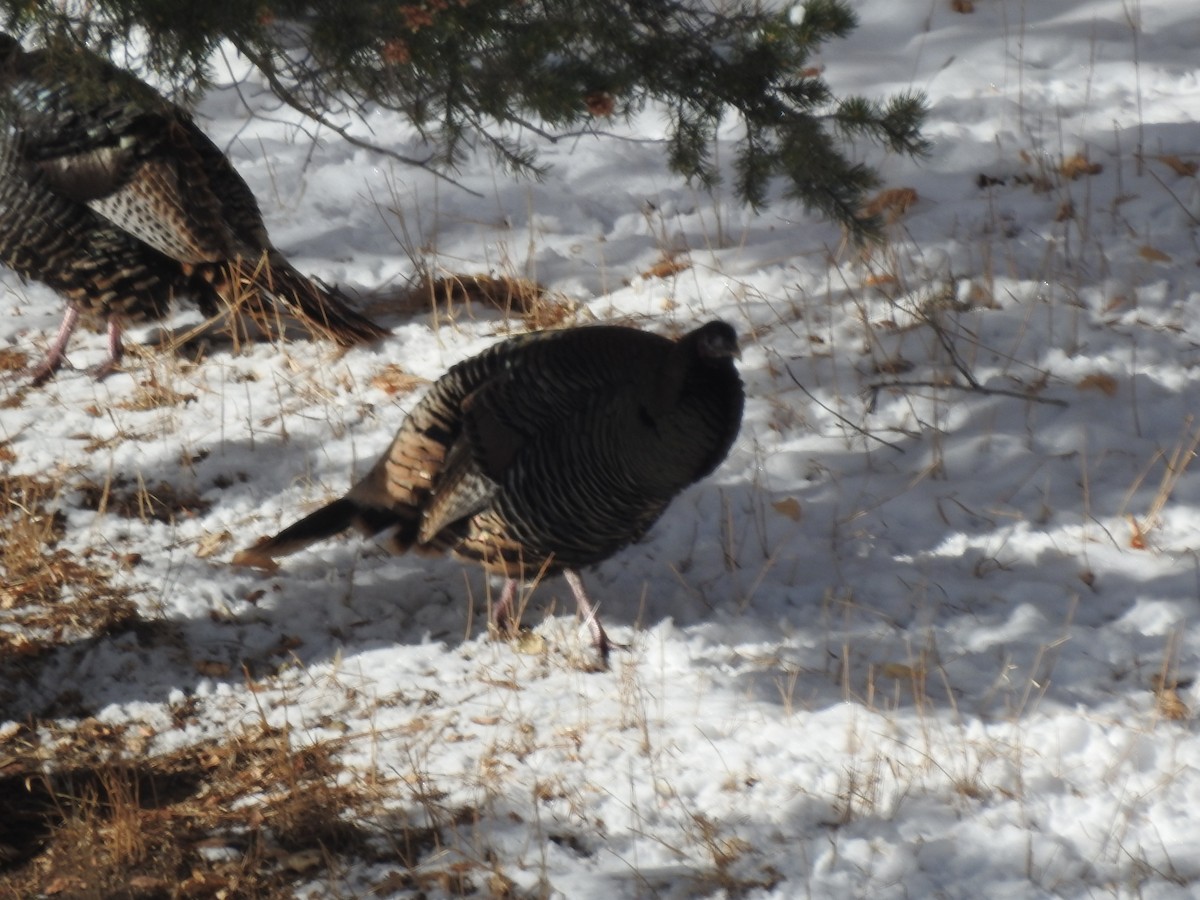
x=895, y=202
x=901, y=671
x=392, y=380
x=1179, y=166
x=789, y=507
x=668, y=266
x=1075, y=166
x=1098, y=381
x=962, y=6
x=883, y=280
x=1153, y=254
x=254, y=560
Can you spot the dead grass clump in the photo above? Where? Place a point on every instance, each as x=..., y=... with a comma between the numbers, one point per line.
x=514, y=297
x=134, y=500
x=13, y=360
x=48, y=593
x=251, y=816
x=153, y=394
x=670, y=263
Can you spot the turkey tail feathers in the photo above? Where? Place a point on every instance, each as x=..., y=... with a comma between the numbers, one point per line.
x=318, y=307
x=326, y=522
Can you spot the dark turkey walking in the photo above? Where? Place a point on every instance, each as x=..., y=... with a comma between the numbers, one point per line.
x=111, y=195
x=547, y=452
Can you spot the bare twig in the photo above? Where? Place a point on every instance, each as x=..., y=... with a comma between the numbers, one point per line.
x=951, y=350
x=284, y=93
x=839, y=416
x=1170, y=193
x=972, y=383
x=973, y=387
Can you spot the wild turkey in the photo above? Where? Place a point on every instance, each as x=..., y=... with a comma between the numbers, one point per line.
x=550, y=451
x=111, y=195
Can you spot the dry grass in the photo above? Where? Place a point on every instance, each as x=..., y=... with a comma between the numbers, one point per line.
x=135, y=500
x=88, y=812
x=514, y=297
x=250, y=816
x=48, y=593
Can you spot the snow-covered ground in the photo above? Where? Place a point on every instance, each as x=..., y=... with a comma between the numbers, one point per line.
x=930, y=630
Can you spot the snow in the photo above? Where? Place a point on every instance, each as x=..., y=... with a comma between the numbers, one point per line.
x=902, y=643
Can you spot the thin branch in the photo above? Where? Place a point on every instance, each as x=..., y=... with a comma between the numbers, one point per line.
x=1170, y=193
x=284, y=93
x=951, y=350
x=839, y=416
x=974, y=387
x=960, y=365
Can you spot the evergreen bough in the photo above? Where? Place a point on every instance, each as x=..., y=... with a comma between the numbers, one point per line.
x=462, y=71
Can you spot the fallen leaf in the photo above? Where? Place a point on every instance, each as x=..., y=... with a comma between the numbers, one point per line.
x=1075, y=166
x=895, y=202
x=901, y=671
x=667, y=267
x=392, y=380
x=1098, y=381
x=789, y=507
x=1179, y=166
x=254, y=560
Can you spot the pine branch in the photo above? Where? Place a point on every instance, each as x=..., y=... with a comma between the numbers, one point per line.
x=463, y=72
x=284, y=93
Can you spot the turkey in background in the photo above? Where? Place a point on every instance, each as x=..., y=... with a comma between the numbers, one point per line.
x=547, y=452
x=111, y=195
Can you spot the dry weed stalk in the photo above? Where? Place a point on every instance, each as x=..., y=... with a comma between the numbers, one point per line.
x=1176, y=464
